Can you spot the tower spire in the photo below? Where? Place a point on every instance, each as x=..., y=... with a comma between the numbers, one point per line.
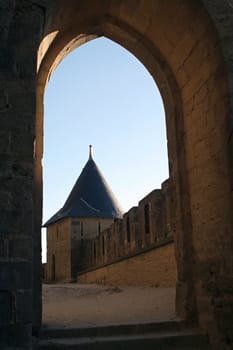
x=90, y=152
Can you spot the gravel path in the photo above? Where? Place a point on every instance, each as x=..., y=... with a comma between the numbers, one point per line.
x=66, y=305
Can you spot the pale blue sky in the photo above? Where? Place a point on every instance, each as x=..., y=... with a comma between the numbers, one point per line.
x=100, y=94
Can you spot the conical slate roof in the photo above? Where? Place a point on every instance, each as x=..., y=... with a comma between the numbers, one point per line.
x=91, y=197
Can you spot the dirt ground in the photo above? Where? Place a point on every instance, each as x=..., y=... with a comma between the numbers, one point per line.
x=66, y=305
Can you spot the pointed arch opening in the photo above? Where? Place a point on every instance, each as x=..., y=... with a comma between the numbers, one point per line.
x=171, y=48
x=113, y=103
x=151, y=59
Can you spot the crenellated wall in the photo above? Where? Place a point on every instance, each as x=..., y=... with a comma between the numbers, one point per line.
x=141, y=228
x=149, y=267
x=77, y=244
x=58, y=267
x=65, y=246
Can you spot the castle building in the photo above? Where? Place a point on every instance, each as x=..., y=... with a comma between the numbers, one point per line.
x=90, y=208
x=89, y=239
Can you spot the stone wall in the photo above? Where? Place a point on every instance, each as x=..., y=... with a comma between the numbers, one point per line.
x=74, y=244
x=189, y=55
x=58, y=267
x=65, y=246
x=21, y=25
x=184, y=54
x=137, y=249
x=153, y=267
x=141, y=227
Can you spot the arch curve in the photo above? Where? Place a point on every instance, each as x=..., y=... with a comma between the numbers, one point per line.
x=150, y=57
x=184, y=56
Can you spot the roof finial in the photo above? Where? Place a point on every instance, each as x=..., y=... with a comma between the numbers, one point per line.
x=90, y=152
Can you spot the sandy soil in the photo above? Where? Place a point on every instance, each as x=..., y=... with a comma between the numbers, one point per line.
x=66, y=305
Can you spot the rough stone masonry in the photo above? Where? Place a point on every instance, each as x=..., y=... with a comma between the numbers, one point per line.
x=187, y=48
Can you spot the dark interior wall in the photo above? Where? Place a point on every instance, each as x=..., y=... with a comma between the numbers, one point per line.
x=21, y=24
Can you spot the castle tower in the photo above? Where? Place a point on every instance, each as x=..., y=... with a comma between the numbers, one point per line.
x=90, y=208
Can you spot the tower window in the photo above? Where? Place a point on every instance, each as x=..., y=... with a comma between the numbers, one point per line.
x=147, y=218
x=94, y=250
x=75, y=223
x=128, y=229
x=103, y=247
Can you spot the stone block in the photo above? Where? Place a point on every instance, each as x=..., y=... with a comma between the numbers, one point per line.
x=15, y=335
x=21, y=35
x=24, y=306
x=14, y=120
x=22, y=142
x=16, y=168
x=26, y=28
x=5, y=138
x=6, y=9
x=4, y=248
x=19, y=210
x=22, y=102
x=20, y=248
x=15, y=275
x=6, y=304
x=6, y=217
x=7, y=59
x=26, y=62
x=3, y=100
x=183, y=48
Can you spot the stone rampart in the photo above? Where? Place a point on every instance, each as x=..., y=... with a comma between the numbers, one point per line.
x=142, y=228
x=152, y=267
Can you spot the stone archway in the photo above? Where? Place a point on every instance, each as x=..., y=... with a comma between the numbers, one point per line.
x=179, y=45
x=152, y=59
x=184, y=56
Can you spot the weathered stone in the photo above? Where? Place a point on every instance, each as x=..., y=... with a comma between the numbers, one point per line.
x=7, y=59
x=199, y=129
x=68, y=253
x=25, y=147
x=23, y=312
x=15, y=336
x=7, y=9
x=3, y=101
x=4, y=248
x=5, y=141
x=6, y=302
x=20, y=248
x=15, y=275
x=25, y=63
x=22, y=102
x=155, y=267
